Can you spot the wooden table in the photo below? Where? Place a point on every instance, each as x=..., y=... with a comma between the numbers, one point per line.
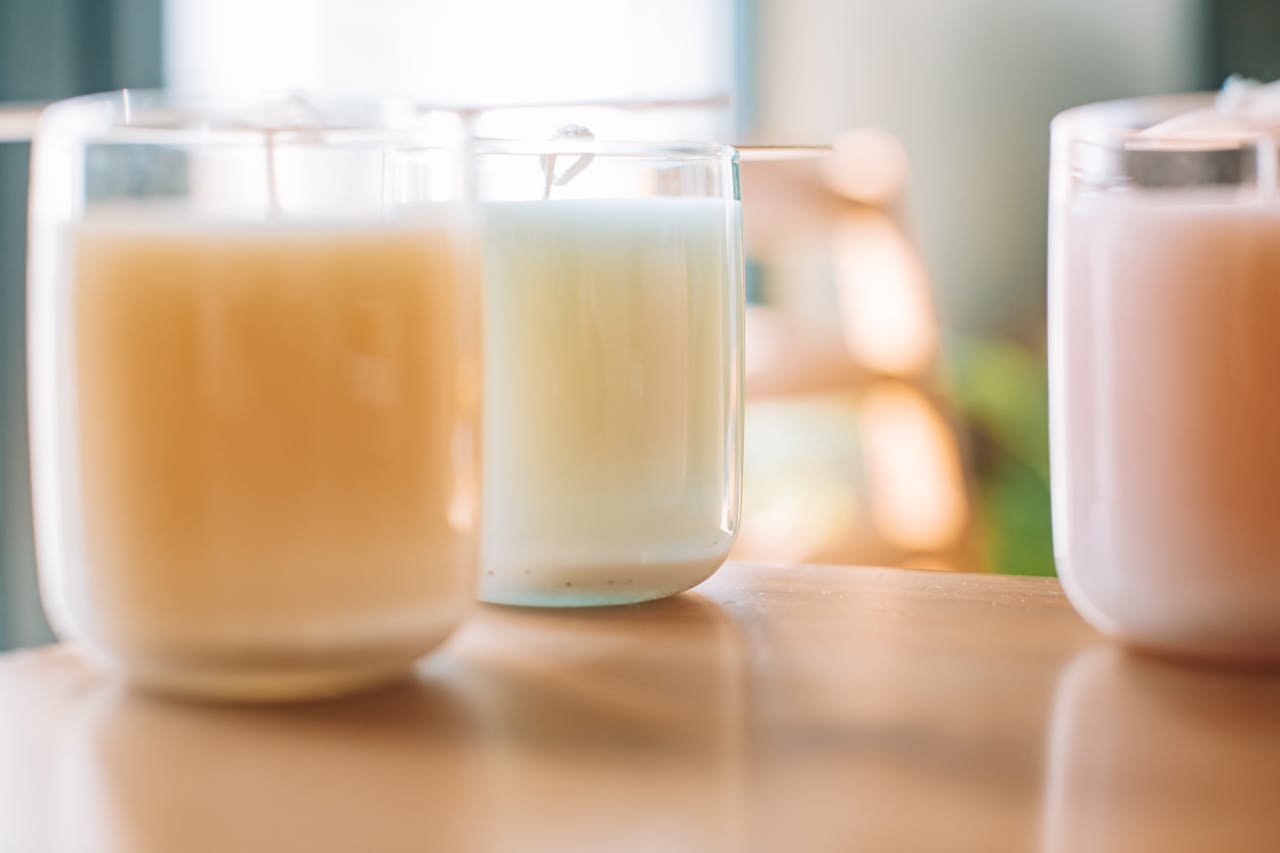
x=774, y=709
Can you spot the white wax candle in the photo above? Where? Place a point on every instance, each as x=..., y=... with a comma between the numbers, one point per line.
x=609, y=445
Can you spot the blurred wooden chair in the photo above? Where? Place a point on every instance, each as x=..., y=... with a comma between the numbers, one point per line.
x=851, y=451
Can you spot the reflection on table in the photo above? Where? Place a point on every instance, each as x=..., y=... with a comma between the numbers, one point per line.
x=776, y=708
x=605, y=727
x=1141, y=749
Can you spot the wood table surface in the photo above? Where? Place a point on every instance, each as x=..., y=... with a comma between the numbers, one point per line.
x=773, y=708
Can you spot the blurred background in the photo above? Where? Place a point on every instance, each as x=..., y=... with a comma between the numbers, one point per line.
x=896, y=379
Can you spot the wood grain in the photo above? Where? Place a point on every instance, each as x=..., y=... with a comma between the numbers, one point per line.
x=796, y=709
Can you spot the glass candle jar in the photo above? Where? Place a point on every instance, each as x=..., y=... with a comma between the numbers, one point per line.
x=254, y=389
x=1164, y=277
x=613, y=368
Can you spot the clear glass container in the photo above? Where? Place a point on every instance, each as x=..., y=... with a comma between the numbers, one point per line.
x=613, y=368
x=1164, y=280
x=254, y=374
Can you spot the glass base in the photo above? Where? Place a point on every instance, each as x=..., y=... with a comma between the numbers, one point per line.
x=267, y=672
x=1215, y=655
x=285, y=684
x=594, y=585
x=1211, y=627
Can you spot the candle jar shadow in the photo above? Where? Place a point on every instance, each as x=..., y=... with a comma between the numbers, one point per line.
x=609, y=718
x=387, y=770
x=531, y=729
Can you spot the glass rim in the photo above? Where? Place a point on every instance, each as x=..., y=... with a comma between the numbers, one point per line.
x=166, y=117
x=1104, y=146
x=1108, y=122
x=682, y=150
x=162, y=116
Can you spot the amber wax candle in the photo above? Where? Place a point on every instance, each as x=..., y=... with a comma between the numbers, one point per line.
x=253, y=475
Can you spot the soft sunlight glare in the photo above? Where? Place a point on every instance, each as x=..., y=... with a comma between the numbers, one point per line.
x=885, y=305
x=917, y=486
x=453, y=51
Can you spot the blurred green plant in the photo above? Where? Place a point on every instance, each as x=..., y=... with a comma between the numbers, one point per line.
x=1001, y=389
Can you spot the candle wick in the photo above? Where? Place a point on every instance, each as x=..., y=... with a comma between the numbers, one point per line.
x=548, y=171
x=273, y=193
x=1267, y=167
x=568, y=131
x=292, y=114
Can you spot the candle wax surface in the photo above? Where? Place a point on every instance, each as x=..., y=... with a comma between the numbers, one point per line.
x=272, y=444
x=609, y=447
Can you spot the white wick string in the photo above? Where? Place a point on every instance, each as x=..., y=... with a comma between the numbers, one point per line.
x=293, y=113
x=568, y=131
x=1267, y=167
x=273, y=193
